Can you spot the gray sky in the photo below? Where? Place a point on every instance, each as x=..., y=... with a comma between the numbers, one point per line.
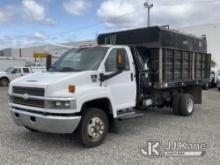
x=177, y=13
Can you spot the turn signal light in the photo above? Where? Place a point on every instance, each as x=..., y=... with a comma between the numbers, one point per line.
x=72, y=88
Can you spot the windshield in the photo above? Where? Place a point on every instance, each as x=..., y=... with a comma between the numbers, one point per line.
x=80, y=59
x=9, y=70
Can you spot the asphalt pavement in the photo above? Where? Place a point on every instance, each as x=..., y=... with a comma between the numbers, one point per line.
x=20, y=146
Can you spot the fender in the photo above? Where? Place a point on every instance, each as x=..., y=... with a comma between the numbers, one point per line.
x=89, y=94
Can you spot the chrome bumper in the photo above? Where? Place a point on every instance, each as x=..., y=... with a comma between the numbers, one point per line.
x=45, y=123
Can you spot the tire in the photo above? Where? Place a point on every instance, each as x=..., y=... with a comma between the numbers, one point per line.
x=206, y=86
x=218, y=89
x=213, y=83
x=4, y=82
x=175, y=104
x=92, y=119
x=186, y=105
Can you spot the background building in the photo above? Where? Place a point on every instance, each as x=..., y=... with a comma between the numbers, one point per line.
x=6, y=52
x=54, y=49
x=13, y=57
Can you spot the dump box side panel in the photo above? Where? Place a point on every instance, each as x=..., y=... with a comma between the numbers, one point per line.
x=177, y=65
x=202, y=66
x=182, y=67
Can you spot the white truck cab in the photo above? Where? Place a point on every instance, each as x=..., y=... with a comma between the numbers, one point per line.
x=12, y=73
x=71, y=86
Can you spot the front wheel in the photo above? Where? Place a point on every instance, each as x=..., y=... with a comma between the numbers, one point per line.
x=93, y=127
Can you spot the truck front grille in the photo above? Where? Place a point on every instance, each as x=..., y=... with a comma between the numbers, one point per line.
x=29, y=102
x=29, y=91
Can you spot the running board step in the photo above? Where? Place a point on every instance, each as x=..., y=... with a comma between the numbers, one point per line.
x=129, y=115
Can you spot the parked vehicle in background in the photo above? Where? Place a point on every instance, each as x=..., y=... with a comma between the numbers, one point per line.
x=213, y=79
x=214, y=76
x=36, y=66
x=218, y=81
x=12, y=73
x=89, y=88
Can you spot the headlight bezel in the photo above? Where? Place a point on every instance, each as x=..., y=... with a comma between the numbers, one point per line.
x=60, y=104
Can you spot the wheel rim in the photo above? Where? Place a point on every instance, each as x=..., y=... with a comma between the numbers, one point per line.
x=189, y=105
x=95, y=128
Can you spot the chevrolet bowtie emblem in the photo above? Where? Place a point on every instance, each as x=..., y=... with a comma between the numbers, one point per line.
x=25, y=96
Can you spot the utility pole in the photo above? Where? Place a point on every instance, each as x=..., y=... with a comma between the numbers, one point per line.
x=148, y=6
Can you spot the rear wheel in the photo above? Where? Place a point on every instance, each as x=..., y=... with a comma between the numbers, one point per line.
x=93, y=127
x=213, y=83
x=186, y=105
x=218, y=88
x=206, y=86
x=4, y=82
x=176, y=101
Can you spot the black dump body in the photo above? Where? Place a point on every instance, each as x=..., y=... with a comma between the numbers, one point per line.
x=176, y=59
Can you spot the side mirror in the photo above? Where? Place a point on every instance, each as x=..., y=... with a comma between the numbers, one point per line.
x=49, y=61
x=120, y=60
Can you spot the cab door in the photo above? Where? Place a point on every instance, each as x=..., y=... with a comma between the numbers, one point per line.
x=122, y=87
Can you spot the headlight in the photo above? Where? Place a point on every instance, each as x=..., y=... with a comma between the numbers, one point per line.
x=61, y=104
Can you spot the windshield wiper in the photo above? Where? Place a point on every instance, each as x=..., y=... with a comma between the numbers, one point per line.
x=68, y=69
x=52, y=68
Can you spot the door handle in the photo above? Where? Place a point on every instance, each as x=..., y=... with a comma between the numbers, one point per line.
x=132, y=77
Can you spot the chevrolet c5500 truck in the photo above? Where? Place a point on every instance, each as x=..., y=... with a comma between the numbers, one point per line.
x=90, y=88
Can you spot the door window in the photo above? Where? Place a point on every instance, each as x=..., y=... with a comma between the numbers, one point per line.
x=16, y=71
x=25, y=70
x=110, y=64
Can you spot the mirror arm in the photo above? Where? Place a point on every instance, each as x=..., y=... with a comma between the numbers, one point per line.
x=146, y=71
x=106, y=77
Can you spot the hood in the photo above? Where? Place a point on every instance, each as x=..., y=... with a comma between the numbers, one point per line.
x=54, y=82
x=47, y=78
